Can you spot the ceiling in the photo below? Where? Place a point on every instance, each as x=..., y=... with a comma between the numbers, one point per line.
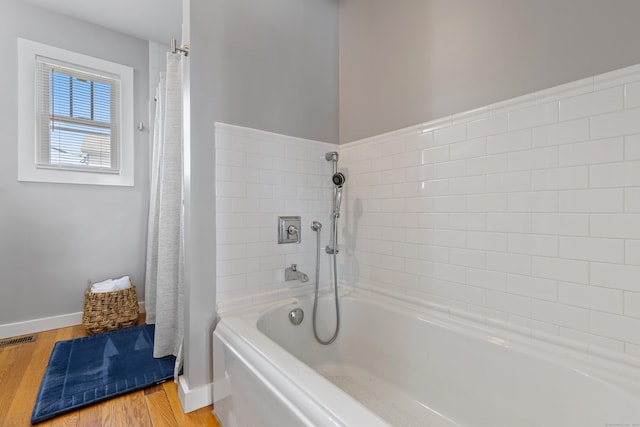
x=155, y=20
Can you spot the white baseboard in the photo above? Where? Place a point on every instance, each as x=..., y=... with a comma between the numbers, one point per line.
x=192, y=399
x=44, y=324
x=39, y=325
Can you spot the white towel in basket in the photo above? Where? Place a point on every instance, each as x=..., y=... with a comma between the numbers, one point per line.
x=111, y=285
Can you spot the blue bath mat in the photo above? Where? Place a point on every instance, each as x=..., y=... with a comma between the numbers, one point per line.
x=92, y=369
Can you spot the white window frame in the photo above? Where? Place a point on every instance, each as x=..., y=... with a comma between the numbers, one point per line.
x=28, y=169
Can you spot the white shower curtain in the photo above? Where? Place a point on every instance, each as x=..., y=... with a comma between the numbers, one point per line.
x=164, y=284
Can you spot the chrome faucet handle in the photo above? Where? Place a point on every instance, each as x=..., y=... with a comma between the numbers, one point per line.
x=292, y=230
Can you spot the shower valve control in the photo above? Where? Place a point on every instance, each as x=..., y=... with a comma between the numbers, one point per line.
x=289, y=230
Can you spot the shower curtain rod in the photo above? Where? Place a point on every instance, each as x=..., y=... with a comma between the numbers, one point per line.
x=175, y=49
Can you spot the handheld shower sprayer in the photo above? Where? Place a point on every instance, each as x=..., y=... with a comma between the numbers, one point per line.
x=338, y=181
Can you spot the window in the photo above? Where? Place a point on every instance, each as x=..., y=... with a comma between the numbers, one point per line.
x=76, y=123
x=77, y=118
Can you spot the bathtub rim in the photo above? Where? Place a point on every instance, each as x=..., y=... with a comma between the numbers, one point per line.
x=555, y=344
x=618, y=370
x=335, y=407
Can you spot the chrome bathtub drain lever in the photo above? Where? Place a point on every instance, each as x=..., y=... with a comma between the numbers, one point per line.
x=296, y=316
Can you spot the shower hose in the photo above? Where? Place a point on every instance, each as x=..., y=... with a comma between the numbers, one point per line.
x=335, y=285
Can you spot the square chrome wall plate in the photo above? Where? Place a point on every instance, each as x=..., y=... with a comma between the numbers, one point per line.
x=289, y=230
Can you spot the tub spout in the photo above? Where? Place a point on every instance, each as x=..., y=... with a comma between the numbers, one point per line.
x=292, y=273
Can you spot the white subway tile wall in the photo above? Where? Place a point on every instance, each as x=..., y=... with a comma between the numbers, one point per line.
x=526, y=212
x=260, y=176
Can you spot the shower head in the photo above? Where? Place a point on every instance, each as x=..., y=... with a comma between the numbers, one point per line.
x=338, y=179
x=331, y=156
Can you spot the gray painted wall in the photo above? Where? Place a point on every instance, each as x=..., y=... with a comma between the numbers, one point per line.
x=409, y=61
x=277, y=65
x=55, y=237
x=265, y=65
x=199, y=191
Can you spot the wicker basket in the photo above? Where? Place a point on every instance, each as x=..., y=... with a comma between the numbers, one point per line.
x=108, y=311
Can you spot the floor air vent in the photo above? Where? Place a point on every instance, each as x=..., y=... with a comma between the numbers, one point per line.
x=19, y=340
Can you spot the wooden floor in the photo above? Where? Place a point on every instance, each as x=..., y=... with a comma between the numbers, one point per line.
x=22, y=367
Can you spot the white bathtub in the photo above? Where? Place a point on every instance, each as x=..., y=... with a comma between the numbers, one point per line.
x=399, y=364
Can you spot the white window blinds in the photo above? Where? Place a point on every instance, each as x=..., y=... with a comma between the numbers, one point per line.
x=77, y=118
